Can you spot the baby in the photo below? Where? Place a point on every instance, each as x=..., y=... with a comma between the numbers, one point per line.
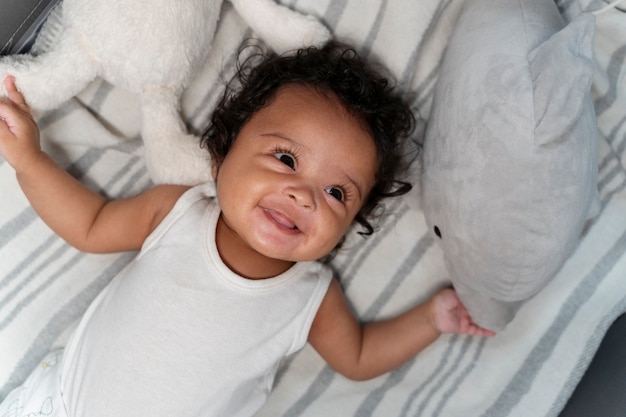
x=227, y=281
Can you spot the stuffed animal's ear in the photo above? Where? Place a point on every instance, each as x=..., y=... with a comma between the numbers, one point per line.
x=562, y=71
x=294, y=31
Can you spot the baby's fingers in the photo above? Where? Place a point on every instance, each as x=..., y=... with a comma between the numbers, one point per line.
x=468, y=326
x=13, y=93
x=476, y=330
x=10, y=116
x=6, y=113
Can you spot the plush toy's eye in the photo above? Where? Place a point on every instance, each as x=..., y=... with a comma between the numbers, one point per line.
x=437, y=232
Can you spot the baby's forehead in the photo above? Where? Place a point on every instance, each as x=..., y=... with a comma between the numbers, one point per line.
x=316, y=122
x=313, y=92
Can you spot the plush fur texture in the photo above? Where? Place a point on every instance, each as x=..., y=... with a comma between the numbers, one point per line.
x=510, y=154
x=152, y=48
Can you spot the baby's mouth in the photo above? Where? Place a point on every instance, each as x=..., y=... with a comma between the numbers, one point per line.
x=281, y=219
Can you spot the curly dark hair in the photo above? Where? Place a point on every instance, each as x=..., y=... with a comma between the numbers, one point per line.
x=335, y=68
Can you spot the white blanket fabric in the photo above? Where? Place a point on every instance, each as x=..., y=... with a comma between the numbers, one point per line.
x=530, y=369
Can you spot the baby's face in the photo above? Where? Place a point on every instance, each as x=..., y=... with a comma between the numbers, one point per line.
x=296, y=176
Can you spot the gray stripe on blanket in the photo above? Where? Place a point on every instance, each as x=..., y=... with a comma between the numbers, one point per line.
x=607, y=179
x=29, y=260
x=613, y=71
x=11, y=228
x=425, y=90
x=613, y=140
x=618, y=142
x=57, y=114
x=334, y=12
x=454, y=370
x=100, y=97
x=429, y=379
x=368, y=42
x=8, y=278
x=375, y=397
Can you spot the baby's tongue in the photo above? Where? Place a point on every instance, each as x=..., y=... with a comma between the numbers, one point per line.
x=282, y=220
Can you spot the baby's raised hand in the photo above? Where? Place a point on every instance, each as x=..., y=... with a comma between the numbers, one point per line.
x=19, y=134
x=449, y=315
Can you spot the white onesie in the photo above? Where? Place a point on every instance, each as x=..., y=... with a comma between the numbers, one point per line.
x=177, y=333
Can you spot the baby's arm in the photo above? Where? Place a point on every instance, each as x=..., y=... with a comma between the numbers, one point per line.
x=79, y=215
x=363, y=352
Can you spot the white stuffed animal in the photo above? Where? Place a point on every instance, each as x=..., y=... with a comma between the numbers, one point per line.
x=152, y=48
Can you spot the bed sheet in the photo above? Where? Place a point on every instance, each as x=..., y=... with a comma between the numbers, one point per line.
x=530, y=368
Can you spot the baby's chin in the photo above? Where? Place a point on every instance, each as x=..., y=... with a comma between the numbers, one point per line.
x=298, y=255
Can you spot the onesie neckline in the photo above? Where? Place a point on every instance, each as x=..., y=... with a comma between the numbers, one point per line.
x=209, y=227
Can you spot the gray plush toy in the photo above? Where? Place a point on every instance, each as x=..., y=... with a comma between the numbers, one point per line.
x=510, y=154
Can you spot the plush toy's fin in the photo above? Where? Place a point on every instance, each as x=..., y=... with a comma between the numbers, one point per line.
x=567, y=57
x=280, y=27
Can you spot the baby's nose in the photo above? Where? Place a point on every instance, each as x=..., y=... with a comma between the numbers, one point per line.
x=302, y=196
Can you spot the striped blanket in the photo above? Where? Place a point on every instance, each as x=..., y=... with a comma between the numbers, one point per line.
x=529, y=369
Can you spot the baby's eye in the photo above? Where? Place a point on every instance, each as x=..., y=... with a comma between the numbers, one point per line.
x=335, y=192
x=286, y=159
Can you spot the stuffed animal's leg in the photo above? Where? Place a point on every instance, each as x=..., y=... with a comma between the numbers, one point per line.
x=173, y=156
x=281, y=28
x=50, y=79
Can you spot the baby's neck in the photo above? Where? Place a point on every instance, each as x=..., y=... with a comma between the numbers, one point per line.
x=243, y=260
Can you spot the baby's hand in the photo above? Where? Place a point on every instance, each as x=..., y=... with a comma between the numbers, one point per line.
x=19, y=133
x=449, y=315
